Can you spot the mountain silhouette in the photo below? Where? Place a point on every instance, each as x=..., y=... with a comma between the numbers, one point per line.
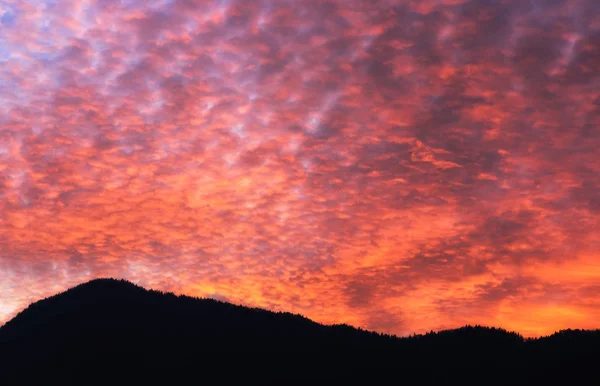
x=110, y=331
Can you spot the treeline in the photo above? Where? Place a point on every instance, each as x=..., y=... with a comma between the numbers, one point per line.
x=114, y=331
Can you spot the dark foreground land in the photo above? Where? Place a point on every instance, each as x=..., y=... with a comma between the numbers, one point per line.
x=113, y=332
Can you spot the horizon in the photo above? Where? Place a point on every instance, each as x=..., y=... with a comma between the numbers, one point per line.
x=264, y=309
x=396, y=165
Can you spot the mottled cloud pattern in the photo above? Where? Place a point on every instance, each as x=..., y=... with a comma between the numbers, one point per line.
x=397, y=165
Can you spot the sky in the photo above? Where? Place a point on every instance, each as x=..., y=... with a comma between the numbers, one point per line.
x=401, y=166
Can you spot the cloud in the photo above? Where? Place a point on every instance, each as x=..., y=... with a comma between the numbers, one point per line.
x=401, y=166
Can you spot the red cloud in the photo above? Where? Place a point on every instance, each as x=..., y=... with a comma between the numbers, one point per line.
x=400, y=166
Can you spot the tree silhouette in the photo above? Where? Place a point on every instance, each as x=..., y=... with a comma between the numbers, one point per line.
x=112, y=331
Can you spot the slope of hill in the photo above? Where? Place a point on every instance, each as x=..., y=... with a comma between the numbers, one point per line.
x=112, y=331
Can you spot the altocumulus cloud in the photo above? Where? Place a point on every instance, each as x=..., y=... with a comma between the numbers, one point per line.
x=396, y=165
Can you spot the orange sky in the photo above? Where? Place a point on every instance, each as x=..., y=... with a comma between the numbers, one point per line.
x=400, y=166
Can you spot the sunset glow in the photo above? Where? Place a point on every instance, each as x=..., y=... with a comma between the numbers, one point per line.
x=401, y=166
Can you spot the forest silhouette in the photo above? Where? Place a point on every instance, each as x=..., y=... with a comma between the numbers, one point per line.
x=110, y=331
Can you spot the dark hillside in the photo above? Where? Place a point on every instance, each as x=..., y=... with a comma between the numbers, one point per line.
x=113, y=331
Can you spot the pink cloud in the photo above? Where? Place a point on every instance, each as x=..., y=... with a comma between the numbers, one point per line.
x=400, y=166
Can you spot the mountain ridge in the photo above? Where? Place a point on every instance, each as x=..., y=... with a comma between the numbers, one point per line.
x=106, y=323
x=123, y=283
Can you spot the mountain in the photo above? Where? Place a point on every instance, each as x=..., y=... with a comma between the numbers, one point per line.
x=110, y=331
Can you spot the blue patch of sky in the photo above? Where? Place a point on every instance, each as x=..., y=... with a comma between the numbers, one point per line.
x=49, y=4
x=4, y=51
x=8, y=18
